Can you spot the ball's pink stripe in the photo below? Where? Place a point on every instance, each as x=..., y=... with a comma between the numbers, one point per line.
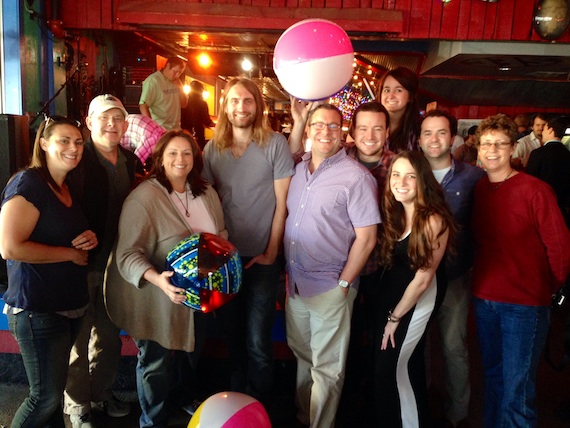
x=309, y=40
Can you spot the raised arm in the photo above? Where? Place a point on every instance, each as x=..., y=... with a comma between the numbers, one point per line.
x=299, y=113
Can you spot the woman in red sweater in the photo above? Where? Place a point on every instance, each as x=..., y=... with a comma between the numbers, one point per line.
x=521, y=259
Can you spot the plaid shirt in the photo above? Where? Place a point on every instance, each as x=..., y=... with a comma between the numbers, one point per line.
x=141, y=135
x=380, y=172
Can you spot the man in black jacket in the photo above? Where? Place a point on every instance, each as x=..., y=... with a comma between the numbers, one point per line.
x=551, y=162
x=102, y=181
x=195, y=117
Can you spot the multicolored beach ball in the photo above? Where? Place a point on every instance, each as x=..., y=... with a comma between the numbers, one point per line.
x=209, y=269
x=230, y=410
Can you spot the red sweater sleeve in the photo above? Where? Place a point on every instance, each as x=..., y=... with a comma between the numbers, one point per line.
x=553, y=233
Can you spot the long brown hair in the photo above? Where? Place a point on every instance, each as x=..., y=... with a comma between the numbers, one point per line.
x=223, y=133
x=45, y=131
x=197, y=183
x=409, y=127
x=430, y=201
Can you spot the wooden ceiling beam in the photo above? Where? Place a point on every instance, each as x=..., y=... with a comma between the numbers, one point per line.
x=211, y=16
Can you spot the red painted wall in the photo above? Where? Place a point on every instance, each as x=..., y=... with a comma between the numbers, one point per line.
x=505, y=20
x=508, y=20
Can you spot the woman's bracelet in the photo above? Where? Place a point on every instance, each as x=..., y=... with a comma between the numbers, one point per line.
x=392, y=318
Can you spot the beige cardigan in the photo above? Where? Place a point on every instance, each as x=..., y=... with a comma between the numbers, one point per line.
x=149, y=227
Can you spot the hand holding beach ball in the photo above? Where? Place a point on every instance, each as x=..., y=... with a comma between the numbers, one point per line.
x=313, y=59
x=208, y=267
x=230, y=410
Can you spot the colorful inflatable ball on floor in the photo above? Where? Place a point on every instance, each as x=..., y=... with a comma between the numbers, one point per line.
x=209, y=269
x=230, y=410
x=313, y=59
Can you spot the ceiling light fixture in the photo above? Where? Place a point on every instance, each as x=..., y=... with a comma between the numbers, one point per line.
x=204, y=60
x=246, y=65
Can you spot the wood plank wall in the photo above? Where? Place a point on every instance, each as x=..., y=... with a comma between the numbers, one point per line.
x=505, y=20
x=508, y=20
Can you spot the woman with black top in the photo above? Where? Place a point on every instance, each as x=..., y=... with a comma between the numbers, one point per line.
x=45, y=241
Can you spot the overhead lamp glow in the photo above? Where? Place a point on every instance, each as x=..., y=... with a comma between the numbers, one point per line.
x=204, y=60
x=246, y=65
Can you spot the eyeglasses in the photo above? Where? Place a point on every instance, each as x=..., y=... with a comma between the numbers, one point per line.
x=500, y=146
x=61, y=120
x=320, y=126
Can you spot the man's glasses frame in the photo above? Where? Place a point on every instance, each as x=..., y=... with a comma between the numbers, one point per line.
x=320, y=126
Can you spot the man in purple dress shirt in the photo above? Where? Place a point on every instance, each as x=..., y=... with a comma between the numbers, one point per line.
x=329, y=234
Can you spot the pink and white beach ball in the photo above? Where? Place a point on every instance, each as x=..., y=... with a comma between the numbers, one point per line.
x=313, y=59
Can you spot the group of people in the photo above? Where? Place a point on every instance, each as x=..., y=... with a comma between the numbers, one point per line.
x=392, y=228
x=443, y=292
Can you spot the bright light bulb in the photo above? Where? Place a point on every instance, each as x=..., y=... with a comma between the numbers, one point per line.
x=246, y=65
x=204, y=60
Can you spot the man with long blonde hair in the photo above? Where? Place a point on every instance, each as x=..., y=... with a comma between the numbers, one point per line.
x=251, y=167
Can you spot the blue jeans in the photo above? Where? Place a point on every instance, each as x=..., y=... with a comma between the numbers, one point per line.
x=247, y=322
x=154, y=382
x=511, y=339
x=45, y=341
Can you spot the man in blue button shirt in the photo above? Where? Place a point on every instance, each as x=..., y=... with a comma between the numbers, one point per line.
x=329, y=234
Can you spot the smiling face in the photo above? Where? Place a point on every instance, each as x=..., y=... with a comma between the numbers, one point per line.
x=394, y=96
x=107, y=128
x=370, y=134
x=178, y=160
x=403, y=181
x=495, y=159
x=240, y=107
x=326, y=142
x=64, y=148
x=435, y=137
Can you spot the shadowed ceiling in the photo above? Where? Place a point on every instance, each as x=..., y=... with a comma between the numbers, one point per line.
x=453, y=73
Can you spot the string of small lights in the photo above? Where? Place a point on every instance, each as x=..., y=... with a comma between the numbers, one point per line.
x=359, y=90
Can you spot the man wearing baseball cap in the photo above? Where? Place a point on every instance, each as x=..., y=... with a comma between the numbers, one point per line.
x=102, y=181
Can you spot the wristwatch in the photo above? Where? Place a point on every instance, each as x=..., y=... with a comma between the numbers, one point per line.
x=342, y=283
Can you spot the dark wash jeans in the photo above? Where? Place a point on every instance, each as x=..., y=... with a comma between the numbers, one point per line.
x=45, y=341
x=154, y=382
x=247, y=323
x=511, y=339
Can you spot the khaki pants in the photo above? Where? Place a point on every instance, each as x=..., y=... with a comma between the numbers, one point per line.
x=318, y=333
x=95, y=356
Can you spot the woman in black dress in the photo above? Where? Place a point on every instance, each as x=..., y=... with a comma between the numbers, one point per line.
x=417, y=227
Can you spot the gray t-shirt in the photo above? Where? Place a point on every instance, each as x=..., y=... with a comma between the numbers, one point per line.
x=245, y=186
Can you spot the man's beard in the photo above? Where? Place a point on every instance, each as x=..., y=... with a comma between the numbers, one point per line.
x=242, y=123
